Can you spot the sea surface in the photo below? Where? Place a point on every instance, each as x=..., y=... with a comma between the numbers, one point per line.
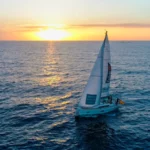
x=42, y=82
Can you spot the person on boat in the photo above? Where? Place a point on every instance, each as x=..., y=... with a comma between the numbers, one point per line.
x=110, y=99
x=117, y=101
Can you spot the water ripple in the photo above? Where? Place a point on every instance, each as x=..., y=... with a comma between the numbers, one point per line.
x=42, y=82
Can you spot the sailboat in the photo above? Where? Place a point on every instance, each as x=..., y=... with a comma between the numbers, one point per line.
x=95, y=98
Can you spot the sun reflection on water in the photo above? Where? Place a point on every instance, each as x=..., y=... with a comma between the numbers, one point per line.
x=53, y=99
x=50, y=70
x=50, y=81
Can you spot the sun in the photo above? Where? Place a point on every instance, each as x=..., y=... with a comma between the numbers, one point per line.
x=53, y=34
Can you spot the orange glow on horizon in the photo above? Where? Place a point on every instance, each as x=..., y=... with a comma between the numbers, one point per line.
x=56, y=32
x=94, y=34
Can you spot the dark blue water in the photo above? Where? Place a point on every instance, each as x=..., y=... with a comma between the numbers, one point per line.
x=42, y=82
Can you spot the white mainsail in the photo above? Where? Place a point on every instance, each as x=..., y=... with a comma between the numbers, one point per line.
x=99, y=80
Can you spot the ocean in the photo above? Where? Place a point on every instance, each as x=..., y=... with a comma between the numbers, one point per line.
x=41, y=84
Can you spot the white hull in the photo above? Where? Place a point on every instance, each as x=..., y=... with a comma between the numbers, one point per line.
x=95, y=111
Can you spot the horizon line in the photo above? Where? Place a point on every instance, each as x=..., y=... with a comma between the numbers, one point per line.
x=73, y=40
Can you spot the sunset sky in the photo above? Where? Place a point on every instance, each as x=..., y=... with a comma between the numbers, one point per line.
x=74, y=19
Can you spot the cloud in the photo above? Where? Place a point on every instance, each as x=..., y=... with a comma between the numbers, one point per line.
x=123, y=25
x=35, y=28
x=31, y=28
